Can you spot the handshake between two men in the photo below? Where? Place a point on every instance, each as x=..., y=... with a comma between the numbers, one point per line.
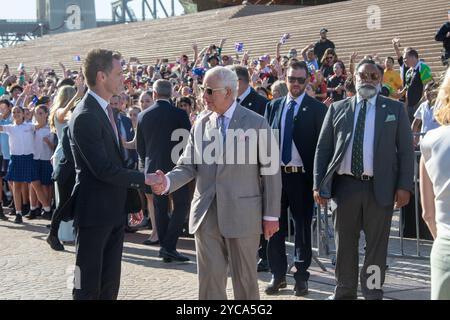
x=159, y=184
x=157, y=181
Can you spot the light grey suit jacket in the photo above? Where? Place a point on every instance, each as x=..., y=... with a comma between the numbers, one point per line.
x=393, y=148
x=243, y=194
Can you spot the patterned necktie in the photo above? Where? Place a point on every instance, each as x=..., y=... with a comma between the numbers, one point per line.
x=286, y=155
x=358, y=143
x=112, y=122
x=221, y=125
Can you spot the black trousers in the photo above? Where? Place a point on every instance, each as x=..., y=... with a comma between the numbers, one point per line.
x=262, y=250
x=98, y=262
x=296, y=195
x=170, y=228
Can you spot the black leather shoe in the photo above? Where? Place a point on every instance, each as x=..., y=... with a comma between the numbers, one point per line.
x=275, y=285
x=33, y=214
x=46, y=215
x=263, y=266
x=18, y=219
x=129, y=229
x=301, y=288
x=149, y=242
x=3, y=217
x=172, y=255
x=54, y=243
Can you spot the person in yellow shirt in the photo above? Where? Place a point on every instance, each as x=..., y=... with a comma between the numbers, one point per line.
x=391, y=79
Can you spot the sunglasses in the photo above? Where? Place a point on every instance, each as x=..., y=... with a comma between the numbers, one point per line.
x=373, y=76
x=300, y=80
x=330, y=57
x=209, y=91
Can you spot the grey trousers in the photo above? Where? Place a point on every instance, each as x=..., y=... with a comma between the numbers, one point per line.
x=355, y=209
x=215, y=254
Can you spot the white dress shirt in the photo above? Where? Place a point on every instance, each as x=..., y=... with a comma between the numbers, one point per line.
x=41, y=149
x=244, y=95
x=228, y=115
x=102, y=102
x=21, y=138
x=227, y=118
x=296, y=160
x=369, y=139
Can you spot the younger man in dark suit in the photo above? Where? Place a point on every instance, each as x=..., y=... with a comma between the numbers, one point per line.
x=247, y=96
x=100, y=192
x=298, y=117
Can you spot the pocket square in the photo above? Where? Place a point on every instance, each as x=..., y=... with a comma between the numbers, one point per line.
x=390, y=118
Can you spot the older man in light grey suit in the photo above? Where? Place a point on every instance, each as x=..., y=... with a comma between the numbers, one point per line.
x=365, y=163
x=234, y=200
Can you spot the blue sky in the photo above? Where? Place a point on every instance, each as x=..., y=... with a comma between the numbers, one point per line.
x=26, y=9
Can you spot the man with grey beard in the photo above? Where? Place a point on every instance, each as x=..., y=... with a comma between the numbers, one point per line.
x=364, y=163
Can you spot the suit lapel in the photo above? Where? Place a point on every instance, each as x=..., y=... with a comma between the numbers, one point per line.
x=380, y=116
x=246, y=101
x=209, y=129
x=349, y=119
x=97, y=108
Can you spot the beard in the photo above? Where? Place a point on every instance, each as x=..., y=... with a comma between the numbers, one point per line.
x=367, y=91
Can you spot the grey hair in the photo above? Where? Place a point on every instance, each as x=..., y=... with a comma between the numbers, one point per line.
x=163, y=88
x=282, y=87
x=226, y=77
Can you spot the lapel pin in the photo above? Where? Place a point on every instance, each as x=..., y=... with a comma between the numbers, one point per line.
x=249, y=104
x=304, y=109
x=383, y=106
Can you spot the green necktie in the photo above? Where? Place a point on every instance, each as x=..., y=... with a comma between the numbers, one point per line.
x=358, y=143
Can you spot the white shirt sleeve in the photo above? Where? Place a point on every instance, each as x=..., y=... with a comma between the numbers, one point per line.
x=269, y=218
x=7, y=128
x=168, y=185
x=419, y=112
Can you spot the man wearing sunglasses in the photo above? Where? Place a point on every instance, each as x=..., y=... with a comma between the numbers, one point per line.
x=232, y=202
x=298, y=117
x=364, y=163
x=322, y=45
